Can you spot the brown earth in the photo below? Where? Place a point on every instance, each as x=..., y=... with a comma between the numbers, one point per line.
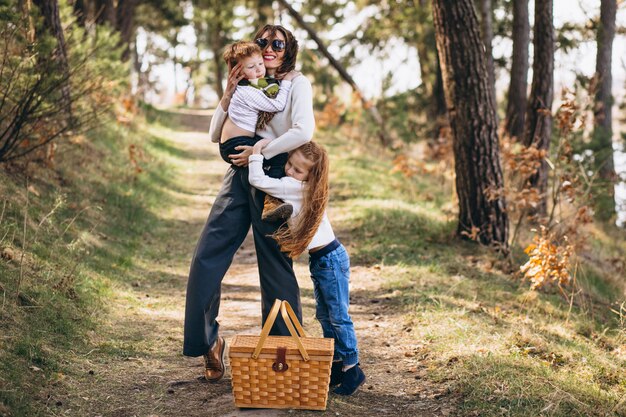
x=135, y=366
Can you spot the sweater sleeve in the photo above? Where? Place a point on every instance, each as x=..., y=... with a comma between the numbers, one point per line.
x=217, y=123
x=284, y=188
x=257, y=99
x=302, y=120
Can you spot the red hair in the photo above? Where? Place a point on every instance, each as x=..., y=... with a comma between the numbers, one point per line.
x=295, y=238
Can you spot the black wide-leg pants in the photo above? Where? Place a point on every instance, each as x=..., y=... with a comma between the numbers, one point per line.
x=236, y=207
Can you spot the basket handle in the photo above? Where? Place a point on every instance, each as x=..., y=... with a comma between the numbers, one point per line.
x=291, y=319
x=269, y=322
x=288, y=316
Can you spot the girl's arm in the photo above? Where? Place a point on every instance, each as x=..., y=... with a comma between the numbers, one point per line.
x=302, y=120
x=285, y=188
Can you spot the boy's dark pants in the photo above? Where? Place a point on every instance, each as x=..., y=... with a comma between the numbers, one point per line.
x=236, y=207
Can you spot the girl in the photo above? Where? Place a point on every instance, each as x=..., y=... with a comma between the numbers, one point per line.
x=305, y=187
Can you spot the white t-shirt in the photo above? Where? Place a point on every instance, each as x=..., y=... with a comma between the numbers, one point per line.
x=289, y=190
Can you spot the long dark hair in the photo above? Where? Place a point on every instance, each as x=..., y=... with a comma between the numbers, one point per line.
x=291, y=46
x=289, y=62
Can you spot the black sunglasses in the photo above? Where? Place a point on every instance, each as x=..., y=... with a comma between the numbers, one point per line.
x=277, y=44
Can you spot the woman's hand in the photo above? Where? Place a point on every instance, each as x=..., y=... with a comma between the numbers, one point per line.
x=241, y=159
x=234, y=76
x=288, y=76
x=258, y=147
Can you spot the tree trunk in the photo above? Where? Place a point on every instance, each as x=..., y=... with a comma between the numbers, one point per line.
x=80, y=12
x=216, y=43
x=538, y=123
x=516, y=106
x=486, y=31
x=369, y=106
x=471, y=110
x=430, y=72
x=604, y=100
x=25, y=8
x=52, y=25
x=125, y=24
x=265, y=13
x=105, y=12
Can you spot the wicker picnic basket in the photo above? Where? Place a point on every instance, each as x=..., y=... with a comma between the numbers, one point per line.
x=281, y=371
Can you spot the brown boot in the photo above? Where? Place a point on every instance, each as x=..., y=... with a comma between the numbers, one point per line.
x=214, y=361
x=275, y=210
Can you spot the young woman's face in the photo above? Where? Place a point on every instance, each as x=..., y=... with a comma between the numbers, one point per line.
x=298, y=166
x=271, y=58
x=253, y=67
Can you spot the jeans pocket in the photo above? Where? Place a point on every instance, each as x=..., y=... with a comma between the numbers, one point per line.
x=322, y=264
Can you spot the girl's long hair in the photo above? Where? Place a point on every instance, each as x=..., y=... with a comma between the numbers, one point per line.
x=294, y=239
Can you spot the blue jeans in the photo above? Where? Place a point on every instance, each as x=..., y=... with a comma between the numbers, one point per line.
x=330, y=273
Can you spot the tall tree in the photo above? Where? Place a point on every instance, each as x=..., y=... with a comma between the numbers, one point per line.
x=430, y=68
x=213, y=23
x=516, y=105
x=125, y=24
x=471, y=110
x=603, y=131
x=538, y=123
x=265, y=12
x=52, y=26
x=105, y=12
x=369, y=106
x=486, y=31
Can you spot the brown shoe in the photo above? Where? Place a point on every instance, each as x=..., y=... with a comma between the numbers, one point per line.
x=214, y=361
x=275, y=209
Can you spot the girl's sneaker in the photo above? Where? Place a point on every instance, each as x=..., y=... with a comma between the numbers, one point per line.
x=351, y=380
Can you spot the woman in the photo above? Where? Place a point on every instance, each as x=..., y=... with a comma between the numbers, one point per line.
x=238, y=205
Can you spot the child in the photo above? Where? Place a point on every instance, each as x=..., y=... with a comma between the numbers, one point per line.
x=305, y=187
x=253, y=95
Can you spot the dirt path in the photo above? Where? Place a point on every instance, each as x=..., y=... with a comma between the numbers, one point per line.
x=136, y=368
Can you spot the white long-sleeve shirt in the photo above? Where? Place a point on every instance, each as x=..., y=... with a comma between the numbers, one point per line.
x=291, y=191
x=289, y=128
x=248, y=101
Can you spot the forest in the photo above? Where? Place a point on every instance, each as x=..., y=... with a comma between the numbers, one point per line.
x=477, y=180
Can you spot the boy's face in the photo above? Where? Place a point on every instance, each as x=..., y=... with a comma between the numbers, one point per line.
x=253, y=67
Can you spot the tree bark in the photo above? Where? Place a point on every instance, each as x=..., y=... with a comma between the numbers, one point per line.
x=216, y=45
x=368, y=105
x=603, y=131
x=125, y=24
x=105, y=12
x=79, y=9
x=430, y=71
x=516, y=106
x=486, y=31
x=265, y=13
x=52, y=24
x=471, y=110
x=538, y=123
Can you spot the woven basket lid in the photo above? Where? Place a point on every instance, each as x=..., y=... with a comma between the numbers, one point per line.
x=315, y=346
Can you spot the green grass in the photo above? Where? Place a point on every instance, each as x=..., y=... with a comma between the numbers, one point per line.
x=87, y=218
x=500, y=348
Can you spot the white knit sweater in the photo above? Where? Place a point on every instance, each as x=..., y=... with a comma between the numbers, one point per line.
x=288, y=129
